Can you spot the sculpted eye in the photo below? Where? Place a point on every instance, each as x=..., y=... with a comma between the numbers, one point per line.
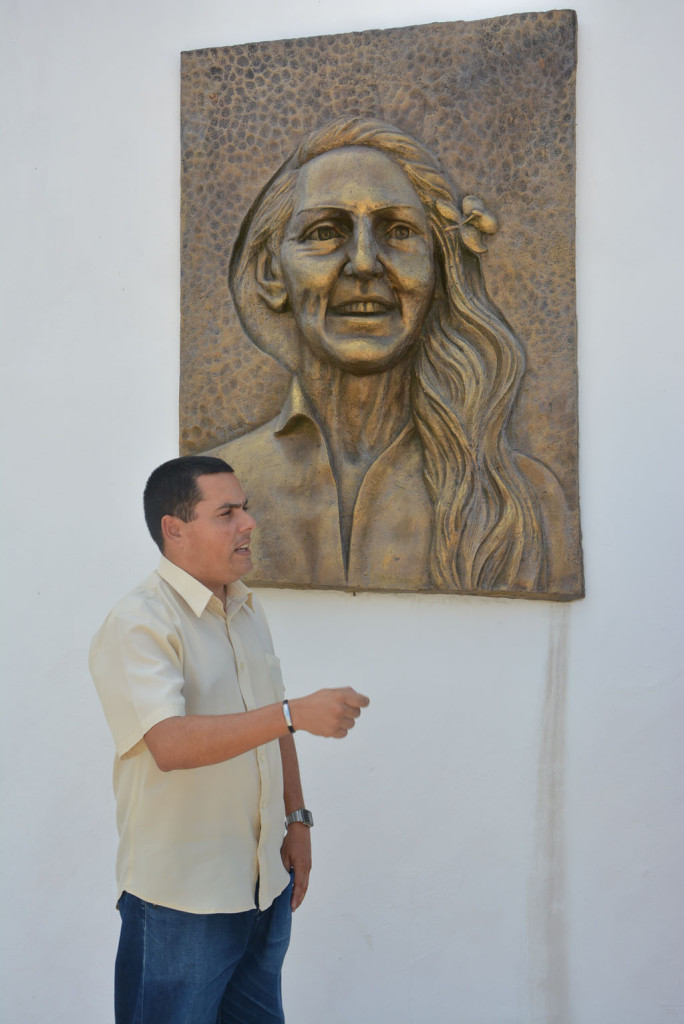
x=400, y=232
x=324, y=233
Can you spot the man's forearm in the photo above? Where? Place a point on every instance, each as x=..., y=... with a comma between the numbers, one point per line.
x=194, y=741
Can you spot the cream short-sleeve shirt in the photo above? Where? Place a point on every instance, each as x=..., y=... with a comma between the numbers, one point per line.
x=194, y=839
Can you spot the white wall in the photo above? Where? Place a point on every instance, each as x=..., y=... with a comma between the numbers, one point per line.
x=500, y=841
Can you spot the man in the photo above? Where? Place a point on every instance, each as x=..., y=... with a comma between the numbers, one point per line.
x=206, y=775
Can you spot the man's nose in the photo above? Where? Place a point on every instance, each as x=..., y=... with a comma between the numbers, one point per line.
x=363, y=261
x=247, y=521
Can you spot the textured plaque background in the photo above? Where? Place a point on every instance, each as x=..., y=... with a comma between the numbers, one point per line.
x=494, y=100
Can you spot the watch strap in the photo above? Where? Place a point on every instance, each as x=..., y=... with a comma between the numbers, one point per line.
x=302, y=815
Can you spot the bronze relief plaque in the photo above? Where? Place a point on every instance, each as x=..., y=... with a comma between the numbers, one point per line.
x=378, y=306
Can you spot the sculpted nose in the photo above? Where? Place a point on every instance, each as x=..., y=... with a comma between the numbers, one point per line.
x=363, y=259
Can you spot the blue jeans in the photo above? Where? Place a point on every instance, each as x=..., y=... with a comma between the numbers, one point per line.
x=178, y=968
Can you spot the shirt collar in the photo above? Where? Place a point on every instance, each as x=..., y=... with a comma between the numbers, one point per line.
x=196, y=595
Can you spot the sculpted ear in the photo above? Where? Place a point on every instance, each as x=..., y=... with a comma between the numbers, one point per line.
x=269, y=279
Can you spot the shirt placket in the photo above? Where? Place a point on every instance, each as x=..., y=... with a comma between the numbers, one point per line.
x=249, y=700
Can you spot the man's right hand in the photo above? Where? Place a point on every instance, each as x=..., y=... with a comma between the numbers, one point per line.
x=328, y=712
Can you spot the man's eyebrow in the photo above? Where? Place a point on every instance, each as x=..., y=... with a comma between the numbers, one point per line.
x=232, y=504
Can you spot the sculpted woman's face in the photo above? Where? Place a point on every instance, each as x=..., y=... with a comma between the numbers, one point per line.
x=357, y=260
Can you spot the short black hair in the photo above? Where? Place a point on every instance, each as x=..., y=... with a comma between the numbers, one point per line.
x=172, y=490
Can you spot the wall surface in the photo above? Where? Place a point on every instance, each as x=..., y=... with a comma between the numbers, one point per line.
x=499, y=842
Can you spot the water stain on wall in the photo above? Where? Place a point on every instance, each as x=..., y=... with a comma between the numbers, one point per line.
x=547, y=928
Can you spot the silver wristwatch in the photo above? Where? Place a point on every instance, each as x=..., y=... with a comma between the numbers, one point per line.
x=306, y=817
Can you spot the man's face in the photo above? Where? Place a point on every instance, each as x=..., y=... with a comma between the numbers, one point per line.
x=357, y=260
x=214, y=546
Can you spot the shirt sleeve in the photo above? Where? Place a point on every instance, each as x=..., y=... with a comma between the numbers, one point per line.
x=138, y=673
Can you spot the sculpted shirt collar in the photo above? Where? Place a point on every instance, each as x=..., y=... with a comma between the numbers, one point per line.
x=296, y=406
x=197, y=596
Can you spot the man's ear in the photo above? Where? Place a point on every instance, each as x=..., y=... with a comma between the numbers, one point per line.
x=269, y=278
x=172, y=531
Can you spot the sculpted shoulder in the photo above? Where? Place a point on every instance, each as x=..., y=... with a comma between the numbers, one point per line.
x=254, y=457
x=544, y=481
x=275, y=457
x=561, y=530
x=248, y=449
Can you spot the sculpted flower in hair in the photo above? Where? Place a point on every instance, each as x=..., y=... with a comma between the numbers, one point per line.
x=359, y=268
x=473, y=220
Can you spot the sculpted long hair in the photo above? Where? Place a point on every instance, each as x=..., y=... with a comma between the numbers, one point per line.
x=487, y=532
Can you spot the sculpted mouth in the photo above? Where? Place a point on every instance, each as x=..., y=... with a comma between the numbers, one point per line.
x=366, y=307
